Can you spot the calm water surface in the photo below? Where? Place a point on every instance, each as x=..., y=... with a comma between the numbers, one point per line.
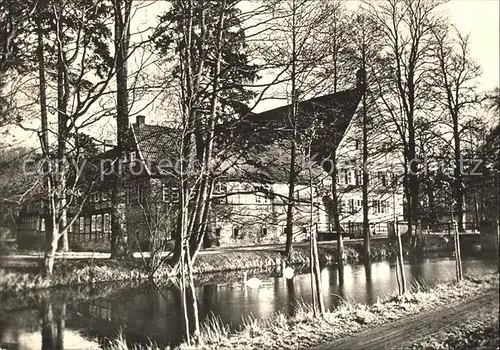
x=152, y=313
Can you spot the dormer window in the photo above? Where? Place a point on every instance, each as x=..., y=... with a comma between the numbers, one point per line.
x=94, y=197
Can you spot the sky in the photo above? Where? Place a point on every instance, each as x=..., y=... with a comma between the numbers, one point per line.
x=479, y=18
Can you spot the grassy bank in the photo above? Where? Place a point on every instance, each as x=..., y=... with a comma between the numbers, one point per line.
x=76, y=272
x=283, y=332
x=71, y=273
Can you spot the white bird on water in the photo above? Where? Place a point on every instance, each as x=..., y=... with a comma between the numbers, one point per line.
x=288, y=273
x=253, y=282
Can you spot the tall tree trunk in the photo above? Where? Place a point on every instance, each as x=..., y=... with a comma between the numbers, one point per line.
x=290, y=205
x=201, y=214
x=366, y=222
x=413, y=182
x=62, y=139
x=44, y=142
x=119, y=241
x=42, y=86
x=336, y=209
x=293, y=125
x=459, y=192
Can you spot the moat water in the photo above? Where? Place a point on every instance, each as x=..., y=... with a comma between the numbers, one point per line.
x=85, y=317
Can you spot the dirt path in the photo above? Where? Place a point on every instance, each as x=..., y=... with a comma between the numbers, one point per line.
x=401, y=333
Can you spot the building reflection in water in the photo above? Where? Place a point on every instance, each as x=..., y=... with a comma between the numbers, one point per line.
x=42, y=328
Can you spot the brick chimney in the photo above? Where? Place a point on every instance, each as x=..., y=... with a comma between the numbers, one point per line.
x=140, y=121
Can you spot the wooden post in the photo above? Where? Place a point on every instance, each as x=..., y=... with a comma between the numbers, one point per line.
x=458, y=255
x=317, y=277
x=311, y=262
x=340, y=248
x=498, y=240
x=401, y=263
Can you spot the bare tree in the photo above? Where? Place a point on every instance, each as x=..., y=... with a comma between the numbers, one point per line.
x=456, y=82
x=366, y=47
x=407, y=32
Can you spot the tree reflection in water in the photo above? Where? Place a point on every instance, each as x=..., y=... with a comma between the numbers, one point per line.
x=292, y=298
x=53, y=325
x=369, y=283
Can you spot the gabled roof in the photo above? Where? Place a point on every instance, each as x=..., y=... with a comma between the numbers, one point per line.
x=331, y=113
x=258, y=134
x=339, y=104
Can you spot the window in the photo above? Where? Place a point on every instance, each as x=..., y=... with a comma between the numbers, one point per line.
x=81, y=224
x=217, y=232
x=93, y=223
x=263, y=199
x=164, y=193
x=105, y=196
x=304, y=229
x=377, y=207
x=107, y=223
x=296, y=195
x=343, y=177
x=132, y=156
x=351, y=177
x=359, y=177
x=359, y=203
x=383, y=207
x=87, y=224
x=264, y=232
x=99, y=223
x=356, y=144
x=42, y=224
x=175, y=195
x=236, y=232
x=381, y=178
x=351, y=206
x=170, y=194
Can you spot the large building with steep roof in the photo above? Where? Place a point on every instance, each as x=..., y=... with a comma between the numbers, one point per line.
x=251, y=191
